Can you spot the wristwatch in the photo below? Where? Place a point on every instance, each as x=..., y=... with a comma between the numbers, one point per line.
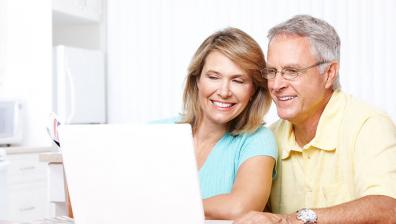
x=307, y=216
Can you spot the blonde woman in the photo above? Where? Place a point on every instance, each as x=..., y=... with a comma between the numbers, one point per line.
x=225, y=100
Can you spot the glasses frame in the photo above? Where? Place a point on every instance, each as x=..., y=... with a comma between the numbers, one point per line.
x=298, y=72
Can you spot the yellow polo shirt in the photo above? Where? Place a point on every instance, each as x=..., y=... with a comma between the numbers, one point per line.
x=353, y=154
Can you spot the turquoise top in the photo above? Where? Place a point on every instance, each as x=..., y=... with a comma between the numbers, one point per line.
x=220, y=169
x=218, y=173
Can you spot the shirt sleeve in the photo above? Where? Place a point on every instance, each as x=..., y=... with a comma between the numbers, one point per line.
x=375, y=158
x=260, y=143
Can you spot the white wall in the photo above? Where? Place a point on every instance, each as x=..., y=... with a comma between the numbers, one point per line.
x=3, y=39
x=150, y=43
x=27, y=70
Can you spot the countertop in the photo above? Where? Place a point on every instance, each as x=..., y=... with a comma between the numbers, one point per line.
x=27, y=149
x=51, y=157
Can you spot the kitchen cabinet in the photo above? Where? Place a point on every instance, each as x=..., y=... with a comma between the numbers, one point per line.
x=27, y=184
x=78, y=23
x=87, y=10
x=57, y=186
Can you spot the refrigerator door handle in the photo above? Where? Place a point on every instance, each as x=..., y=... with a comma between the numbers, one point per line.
x=70, y=82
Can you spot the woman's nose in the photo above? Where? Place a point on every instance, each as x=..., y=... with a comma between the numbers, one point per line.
x=224, y=90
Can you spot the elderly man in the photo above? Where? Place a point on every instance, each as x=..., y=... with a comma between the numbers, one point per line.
x=337, y=155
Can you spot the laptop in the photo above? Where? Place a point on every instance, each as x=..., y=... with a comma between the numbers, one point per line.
x=142, y=173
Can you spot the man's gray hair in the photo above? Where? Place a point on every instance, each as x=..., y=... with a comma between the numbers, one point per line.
x=323, y=37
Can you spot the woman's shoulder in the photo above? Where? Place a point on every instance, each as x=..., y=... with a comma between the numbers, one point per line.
x=261, y=132
x=169, y=120
x=261, y=137
x=259, y=143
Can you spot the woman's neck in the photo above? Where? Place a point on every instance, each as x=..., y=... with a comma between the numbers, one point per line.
x=205, y=138
x=209, y=132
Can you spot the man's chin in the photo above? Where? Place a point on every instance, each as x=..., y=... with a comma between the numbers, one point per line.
x=285, y=116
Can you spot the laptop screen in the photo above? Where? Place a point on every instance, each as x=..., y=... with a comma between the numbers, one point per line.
x=142, y=173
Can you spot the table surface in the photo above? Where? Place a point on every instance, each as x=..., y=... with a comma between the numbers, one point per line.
x=55, y=222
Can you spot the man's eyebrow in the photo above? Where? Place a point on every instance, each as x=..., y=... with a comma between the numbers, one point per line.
x=285, y=66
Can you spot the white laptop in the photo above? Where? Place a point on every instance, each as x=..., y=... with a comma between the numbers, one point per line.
x=131, y=174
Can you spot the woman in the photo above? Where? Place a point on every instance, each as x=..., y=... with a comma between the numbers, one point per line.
x=225, y=100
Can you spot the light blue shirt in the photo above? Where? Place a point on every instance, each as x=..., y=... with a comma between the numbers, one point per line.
x=218, y=173
x=220, y=169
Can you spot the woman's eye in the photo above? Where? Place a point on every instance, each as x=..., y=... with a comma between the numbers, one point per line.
x=212, y=77
x=240, y=81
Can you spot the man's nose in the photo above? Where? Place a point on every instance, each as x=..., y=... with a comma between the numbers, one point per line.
x=277, y=83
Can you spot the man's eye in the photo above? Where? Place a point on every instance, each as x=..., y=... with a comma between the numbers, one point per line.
x=290, y=70
x=271, y=71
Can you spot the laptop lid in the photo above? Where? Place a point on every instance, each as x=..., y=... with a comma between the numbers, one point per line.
x=131, y=173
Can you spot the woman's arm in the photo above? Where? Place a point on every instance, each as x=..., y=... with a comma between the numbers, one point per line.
x=250, y=191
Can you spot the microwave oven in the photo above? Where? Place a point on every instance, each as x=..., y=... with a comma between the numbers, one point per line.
x=11, y=122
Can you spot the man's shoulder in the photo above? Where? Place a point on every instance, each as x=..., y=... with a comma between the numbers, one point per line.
x=356, y=108
x=280, y=127
x=357, y=113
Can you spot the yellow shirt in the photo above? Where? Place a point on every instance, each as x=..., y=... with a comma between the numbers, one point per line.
x=353, y=154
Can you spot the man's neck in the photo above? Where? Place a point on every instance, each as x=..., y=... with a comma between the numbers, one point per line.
x=305, y=130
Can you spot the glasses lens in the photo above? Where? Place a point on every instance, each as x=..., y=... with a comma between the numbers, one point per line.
x=269, y=73
x=289, y=73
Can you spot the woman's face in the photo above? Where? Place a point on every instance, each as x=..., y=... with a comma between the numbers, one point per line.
x=224, y=89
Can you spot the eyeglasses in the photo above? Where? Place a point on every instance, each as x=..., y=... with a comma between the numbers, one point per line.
x=288, y=73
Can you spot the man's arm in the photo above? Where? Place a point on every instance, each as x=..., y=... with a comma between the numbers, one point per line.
x=368, y=209
x=375, y=176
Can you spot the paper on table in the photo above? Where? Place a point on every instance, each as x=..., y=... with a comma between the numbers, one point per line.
x=52, y=128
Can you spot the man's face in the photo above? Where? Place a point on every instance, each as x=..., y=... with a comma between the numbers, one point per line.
x=305, y=96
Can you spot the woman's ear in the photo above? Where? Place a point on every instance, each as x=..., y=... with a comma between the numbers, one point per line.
x=253, y=94
x=332, y=73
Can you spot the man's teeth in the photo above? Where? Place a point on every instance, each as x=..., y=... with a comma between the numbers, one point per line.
x=220, y=104
x=284, y=98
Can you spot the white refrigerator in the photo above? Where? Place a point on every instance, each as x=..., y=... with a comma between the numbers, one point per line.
x=79, y=93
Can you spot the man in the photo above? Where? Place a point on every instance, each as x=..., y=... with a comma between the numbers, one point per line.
x=337, y=155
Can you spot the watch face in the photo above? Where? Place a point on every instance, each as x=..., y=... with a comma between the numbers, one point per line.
x=307, y=216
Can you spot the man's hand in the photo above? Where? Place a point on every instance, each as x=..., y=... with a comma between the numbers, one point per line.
x=263, y=218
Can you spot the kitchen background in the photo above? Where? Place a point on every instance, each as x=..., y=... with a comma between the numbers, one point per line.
x=147, y=45
x=127, y=60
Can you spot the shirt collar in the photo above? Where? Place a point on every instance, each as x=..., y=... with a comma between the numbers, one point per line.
x=326, y=136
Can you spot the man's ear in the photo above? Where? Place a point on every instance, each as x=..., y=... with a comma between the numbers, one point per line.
x=332, y=73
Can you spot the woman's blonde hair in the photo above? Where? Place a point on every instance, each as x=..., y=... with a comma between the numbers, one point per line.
x=244, y=51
